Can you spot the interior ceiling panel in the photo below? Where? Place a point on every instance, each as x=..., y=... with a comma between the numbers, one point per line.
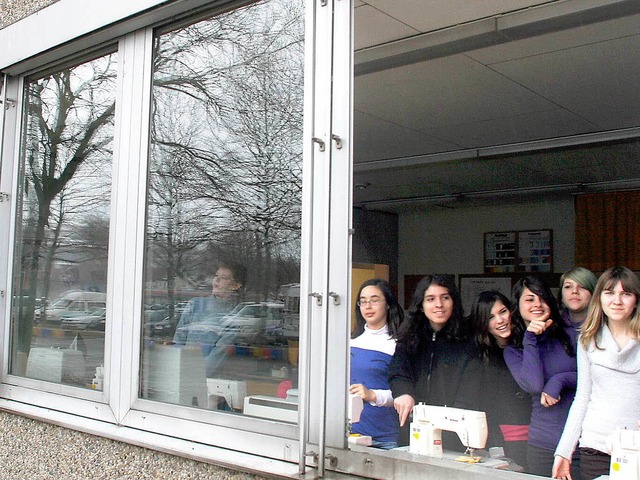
x=514, y=128
x=392, y=140
x=561, y=83
x=375, y=27
x=428, y=15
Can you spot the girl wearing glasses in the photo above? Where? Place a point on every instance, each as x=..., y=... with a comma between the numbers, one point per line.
x=432, y=351
x=608, y=395
x=373, y=342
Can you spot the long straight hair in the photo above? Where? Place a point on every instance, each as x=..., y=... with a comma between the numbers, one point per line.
x=416, y=327
x=480, y=319
x=596, y=316
x=542, y=290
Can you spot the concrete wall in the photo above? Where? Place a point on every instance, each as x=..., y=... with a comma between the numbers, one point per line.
x=37, y=451
x=451, y=240
x=13, y=10
x=375, y=240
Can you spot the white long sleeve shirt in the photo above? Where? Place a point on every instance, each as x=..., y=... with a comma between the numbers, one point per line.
x=608, y=394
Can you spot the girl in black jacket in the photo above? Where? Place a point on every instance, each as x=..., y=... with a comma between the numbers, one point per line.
x=432, y=351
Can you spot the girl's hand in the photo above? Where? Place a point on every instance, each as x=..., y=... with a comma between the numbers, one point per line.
x=548, y=400
x=366, y=394
x=403, y=405
x=561, y=468
x=538, y=327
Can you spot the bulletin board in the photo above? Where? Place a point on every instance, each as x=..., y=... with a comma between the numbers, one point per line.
x=518, y=251
x=471, y=286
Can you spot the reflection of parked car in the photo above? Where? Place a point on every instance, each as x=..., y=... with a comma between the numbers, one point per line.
x=254, y=323
x=74, y=304
x=155, y=312
x=248, y=323
x=205, y=331
x=159, y=328
x=93, y=321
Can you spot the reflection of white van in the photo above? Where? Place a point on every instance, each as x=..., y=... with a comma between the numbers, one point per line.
x=75, y=303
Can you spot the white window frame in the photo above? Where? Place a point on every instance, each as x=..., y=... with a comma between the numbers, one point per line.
x=117, y=412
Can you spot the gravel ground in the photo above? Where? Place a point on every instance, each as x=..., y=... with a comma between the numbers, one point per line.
x=32, y=450
x=14, y=10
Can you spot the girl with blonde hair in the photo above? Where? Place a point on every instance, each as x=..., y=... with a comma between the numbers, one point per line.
x=608, y=393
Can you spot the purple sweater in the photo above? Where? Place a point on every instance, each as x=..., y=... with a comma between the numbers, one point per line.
x=543, y=365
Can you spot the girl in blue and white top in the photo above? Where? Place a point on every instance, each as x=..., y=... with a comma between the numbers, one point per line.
x=608, y=395
x=373, y=342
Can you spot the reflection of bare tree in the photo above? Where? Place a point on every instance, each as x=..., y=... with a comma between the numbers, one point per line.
x=227, y=126
x=68, y=132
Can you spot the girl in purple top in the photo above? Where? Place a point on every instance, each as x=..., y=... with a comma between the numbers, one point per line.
x=542, y=360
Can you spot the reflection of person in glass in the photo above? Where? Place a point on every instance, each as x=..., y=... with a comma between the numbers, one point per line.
x=226, y=284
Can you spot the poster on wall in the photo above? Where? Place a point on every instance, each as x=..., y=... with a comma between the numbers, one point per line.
x=518, y=251
x=500, y=252
x=535, y=253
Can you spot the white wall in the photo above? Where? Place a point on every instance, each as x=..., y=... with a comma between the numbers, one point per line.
x=450, y=240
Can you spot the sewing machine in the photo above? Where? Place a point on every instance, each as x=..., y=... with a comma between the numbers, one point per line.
x=233, y=391
x=429, y=421
x=625, y=454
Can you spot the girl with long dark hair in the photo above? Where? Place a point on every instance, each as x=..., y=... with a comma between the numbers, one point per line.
x=431, y=353
x=487, y=384
x=542, y=359
x=378, y=317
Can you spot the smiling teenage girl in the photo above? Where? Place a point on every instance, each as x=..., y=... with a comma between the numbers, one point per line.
x=373, y=342
x=431, y=354
x=608, y=394
x=487, y=384
x=542, y=360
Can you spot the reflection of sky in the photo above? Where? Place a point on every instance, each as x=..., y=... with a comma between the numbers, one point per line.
x=87, y=193
x=230, y=105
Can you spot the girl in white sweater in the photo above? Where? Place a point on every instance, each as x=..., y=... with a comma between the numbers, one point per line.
x=608, y=394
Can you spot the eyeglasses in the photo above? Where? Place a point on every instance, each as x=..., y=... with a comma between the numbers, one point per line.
x=373, y=302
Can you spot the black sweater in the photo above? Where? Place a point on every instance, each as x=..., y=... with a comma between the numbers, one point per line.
x=431, y=370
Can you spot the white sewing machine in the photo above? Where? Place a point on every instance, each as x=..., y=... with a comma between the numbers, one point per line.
x=233, y=391
x=625, y=454
x=429, y=421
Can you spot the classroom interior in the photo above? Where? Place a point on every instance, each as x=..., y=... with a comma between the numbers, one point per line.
x=489, y=143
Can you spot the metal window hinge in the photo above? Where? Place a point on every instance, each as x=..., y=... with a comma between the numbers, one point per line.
x=335, y=297
x=320, y=142
x=318, y=298
x=3, y=197
x=9, y=102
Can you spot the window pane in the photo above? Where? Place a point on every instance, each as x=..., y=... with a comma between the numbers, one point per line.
x=58, y=316
x=221, y=302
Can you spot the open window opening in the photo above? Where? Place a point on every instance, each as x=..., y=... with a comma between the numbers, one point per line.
x=492, y=144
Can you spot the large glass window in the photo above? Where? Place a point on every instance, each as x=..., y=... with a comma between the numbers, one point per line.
x=60, y=266
x=221, y=289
